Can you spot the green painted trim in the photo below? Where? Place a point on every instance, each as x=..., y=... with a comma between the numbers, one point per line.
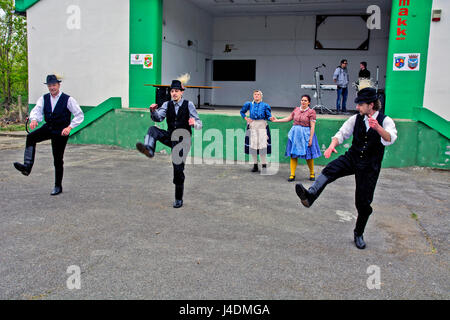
x=24, y=5
x=405, y=89
x=145, y=37
x=432, y=120
x=433, y=149
x=97, y=112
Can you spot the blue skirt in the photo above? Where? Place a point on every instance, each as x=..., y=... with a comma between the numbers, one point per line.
x=297, y=145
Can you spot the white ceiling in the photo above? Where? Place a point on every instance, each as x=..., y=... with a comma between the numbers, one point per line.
x=289, y=7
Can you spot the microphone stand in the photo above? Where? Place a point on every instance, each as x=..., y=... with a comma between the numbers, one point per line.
x=318, y=90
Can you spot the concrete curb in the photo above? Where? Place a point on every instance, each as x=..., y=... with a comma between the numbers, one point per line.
x=13, y=133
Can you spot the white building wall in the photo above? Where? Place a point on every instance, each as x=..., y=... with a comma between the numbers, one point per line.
x=93, y=60
x=437, y=93
x=285, y=58
x=183, y=21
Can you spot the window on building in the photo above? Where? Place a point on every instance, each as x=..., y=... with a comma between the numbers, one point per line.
x=234, y=70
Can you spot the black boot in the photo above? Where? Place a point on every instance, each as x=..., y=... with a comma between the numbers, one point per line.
x=359, y=241
x=308, y=197
x=148, y=148
x=178, y=196
x=255, y=168
x=25, y=168
x=59, y=172
x=56, y=190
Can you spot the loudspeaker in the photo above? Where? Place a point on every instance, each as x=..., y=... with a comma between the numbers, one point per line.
x=162, y=95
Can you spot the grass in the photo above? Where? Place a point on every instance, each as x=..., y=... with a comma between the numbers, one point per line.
x=13, y=127
x=425, y=233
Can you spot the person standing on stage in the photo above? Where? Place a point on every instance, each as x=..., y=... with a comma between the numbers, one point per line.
x=181, y=116
x=302, y=141
x=257, y=138
x=341, y=78
x=363, y=72
x=56, y=108
x=371, y=131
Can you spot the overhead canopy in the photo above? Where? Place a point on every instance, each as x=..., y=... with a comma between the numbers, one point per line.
x=288, y=7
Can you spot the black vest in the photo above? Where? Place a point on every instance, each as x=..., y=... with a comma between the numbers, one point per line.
x=366, y=145
x=179, y=120
x=60, y=117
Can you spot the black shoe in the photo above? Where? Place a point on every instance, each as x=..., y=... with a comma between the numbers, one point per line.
x=179, y=190
x=178, y=203
x=312, y=178
x=56, y=190
x=145, y=150
x=291, y=178
x=264, y=169
x=255, y=168
x=359, y=241
x=309, y=196
x=302, y=193
x=22, y=168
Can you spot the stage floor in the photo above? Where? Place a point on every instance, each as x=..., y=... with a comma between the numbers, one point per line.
x=239, y=235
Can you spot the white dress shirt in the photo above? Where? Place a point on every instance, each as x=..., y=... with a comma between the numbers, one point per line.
x=346, y=131
x=38, y=111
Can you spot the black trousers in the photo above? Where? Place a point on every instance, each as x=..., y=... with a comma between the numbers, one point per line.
x=58, y=147
x=366, y=177
x=164, y=137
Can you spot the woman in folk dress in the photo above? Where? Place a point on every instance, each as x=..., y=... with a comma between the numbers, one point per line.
x=302, y=141
x=257, y=139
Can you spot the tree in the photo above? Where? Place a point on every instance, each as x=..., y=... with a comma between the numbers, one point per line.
x=13, y=55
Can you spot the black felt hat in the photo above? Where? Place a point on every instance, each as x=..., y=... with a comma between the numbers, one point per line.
x=51, y=78
x=176, y=84
x=366, y=95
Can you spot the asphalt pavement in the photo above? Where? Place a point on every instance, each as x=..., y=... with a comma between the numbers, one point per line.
x=113, y=234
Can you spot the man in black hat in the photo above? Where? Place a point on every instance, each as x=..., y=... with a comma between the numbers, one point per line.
x=371, y=131
x=180, y=115
x=56, y=108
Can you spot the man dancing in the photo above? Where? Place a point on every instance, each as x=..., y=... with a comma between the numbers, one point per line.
x=180, y=115
x=371, y=131
x=56, y=108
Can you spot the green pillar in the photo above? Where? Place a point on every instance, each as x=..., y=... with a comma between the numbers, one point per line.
x=410, y=19
x=145, y=38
